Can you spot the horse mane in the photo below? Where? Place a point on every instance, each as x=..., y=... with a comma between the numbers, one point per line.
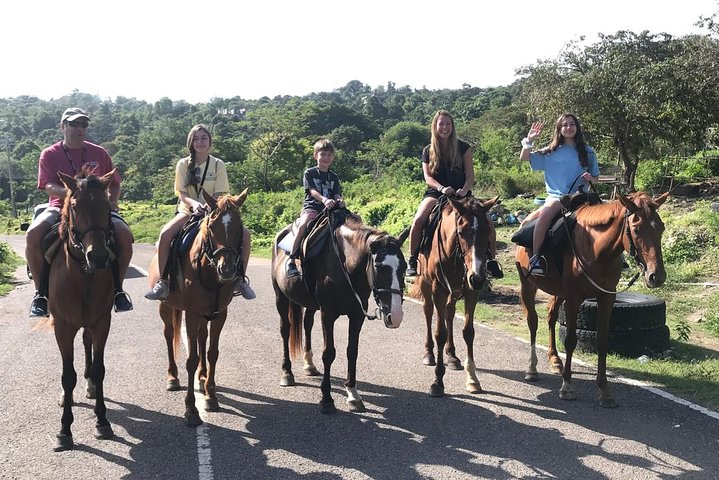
x=605, y=213
x=86, y=180
x=354, y=223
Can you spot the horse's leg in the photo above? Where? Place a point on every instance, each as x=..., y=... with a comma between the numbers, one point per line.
x=555, y=362
x=440, y=338
x=213, y=353
x=172, y=320
x=192, y=321
x=283, y=304
x=428, y=308
x=451, y=360
x=90, y=391
x=202, y=350
x=65, y=335
x=327, y=405
x=103, y=429
x=605, y=304
x=571, y=307
x=354, y=400
x=309, y=366
x=526, y=297
x=470, y=302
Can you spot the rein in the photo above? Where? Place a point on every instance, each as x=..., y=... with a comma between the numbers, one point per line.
x=632, y=252
x=371, y=277
x=74, y=238
x=211, y=253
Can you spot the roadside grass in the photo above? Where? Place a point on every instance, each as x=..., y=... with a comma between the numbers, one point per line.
x=9, y=262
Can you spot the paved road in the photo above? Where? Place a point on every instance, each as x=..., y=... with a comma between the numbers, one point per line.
x=514, y=429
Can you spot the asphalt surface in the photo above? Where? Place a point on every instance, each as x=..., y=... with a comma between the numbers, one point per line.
x=514, y=429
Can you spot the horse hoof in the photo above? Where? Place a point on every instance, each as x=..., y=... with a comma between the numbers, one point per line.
x=565, y=395
x=436, y=391
x=287, y=380
x=608, y=403
x=173, y=385
x=90, y=392
x=453, y=364
x=429, y=360
x=474, y=388
x=212, y=405
x=531, y=376
x=311, y=371
x=63, y=442
x=328, y=408
x=193, y=420
x=104, y=432
x=356, y=406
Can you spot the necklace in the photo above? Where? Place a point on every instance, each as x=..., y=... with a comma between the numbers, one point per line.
x=69, y=159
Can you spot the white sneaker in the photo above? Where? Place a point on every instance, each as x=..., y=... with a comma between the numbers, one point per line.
x=242, y=287
x=159, y=291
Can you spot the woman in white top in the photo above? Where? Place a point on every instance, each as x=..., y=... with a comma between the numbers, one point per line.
x=199, y=171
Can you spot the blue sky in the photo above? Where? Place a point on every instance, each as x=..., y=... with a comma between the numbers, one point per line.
x=218, y=48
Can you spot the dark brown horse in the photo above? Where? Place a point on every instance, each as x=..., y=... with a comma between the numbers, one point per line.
x=355, y=260
x=454, y=267
x=81, y=293
x=591, y=267
x=203, y=289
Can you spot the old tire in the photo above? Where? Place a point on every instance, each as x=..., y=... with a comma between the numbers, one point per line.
x=628, y=344
x=632, y=312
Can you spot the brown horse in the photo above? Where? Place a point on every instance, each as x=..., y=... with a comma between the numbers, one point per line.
x=592, y=268
x=203, y=289
x=355, y=260
x=81, y=293
x=454, y=267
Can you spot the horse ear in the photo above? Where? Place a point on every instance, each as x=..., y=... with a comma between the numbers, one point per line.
x=107, y=178
x=491, y=202
x=403, y=236
x=69, y=182
x=661, y=199
x=209, y=200
x=626, y=201
x=240, y=199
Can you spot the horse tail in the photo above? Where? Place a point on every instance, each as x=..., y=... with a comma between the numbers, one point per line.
x=176, y=331
x=294, y=315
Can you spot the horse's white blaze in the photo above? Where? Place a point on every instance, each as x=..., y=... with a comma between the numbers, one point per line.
x=226, y=221
x=476, y=258
x=396, y=312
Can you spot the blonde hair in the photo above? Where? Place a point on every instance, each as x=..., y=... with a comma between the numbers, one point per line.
x=449, y=154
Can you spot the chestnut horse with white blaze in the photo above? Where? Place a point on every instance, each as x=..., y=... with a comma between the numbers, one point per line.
x=591, y=268
x=203, y=288
x=454, y=267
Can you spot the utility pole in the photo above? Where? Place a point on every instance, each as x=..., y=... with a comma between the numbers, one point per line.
x=7, y=141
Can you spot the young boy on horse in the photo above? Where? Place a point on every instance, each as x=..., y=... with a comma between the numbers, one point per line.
x=322, y=190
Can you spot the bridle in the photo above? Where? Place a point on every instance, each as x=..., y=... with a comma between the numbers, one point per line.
x=371, y=276
x=75, y=236
x=212, y=253
x=633, y=252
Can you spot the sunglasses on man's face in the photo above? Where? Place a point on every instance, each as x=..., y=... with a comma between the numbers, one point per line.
x=77, y=124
